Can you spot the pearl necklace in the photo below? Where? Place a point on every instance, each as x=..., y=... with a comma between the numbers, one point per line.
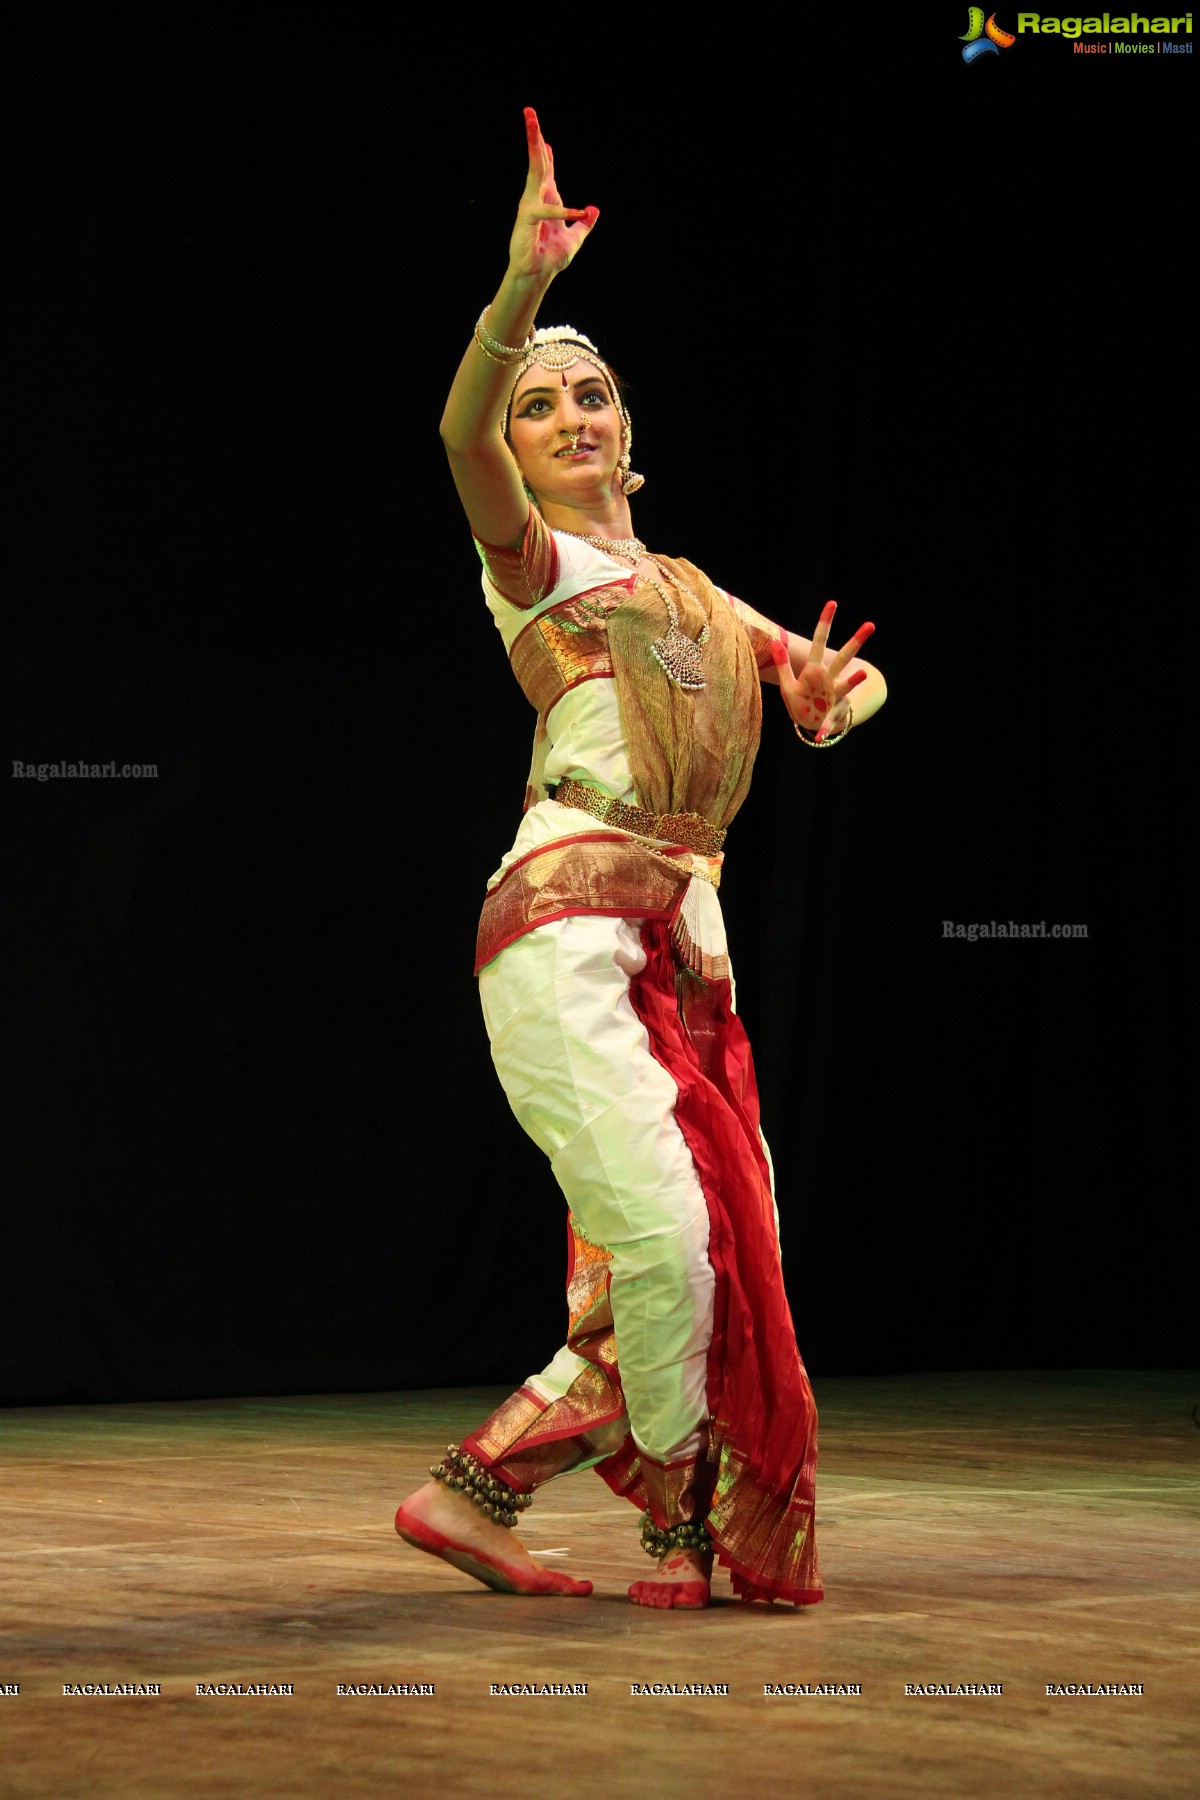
x=677, y=654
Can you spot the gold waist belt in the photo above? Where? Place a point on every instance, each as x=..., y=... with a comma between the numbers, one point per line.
x=688, y=829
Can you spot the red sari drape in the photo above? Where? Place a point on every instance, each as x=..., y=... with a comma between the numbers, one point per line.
x=763, y=1419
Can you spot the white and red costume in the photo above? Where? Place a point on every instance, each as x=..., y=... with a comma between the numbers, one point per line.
x=606, y=990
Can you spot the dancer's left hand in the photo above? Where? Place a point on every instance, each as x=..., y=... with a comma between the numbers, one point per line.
x=816, y=697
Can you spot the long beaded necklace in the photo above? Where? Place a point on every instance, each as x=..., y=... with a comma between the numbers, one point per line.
x=677, y=654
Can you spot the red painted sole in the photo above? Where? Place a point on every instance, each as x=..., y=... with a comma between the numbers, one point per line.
x=493, y=1573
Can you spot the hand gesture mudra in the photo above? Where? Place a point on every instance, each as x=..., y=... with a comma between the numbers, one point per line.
x=547, y=234
x=817, y=697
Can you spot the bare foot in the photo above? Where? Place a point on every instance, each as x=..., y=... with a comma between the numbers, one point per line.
x=443, y=1521
x=682, y=1579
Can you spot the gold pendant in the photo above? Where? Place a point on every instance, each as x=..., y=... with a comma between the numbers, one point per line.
x=679, y=657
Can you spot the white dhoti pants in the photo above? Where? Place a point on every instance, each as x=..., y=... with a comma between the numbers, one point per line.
x=575, y=1062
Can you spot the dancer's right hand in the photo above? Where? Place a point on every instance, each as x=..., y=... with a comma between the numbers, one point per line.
x=547, y=234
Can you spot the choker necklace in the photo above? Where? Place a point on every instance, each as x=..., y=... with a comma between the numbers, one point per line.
x=677, y=655
x=631, y=549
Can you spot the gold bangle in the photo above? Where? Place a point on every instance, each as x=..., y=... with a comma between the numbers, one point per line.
x=505, y=362
x=501, y=353
x=826, y=743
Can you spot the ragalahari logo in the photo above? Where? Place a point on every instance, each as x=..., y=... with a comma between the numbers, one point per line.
x=981, y=39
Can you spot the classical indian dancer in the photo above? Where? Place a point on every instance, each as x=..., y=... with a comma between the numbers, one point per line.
x=605, y=981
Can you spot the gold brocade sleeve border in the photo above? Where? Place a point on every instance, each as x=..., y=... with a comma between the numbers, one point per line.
x=523, y=576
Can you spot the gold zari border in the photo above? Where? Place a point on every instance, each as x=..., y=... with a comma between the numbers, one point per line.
x=598, y=873
x=766, y=1542
x=526, y=1441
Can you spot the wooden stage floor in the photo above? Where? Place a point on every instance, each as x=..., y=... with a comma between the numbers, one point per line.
x=1023, y=1530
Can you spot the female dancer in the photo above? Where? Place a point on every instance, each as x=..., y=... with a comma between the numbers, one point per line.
x=605, y=981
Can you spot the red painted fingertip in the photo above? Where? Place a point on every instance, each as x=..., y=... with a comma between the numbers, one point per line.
x=828, y=610
x=859, y=676
x=779, y=653
x=864, y=631
x=591, y=214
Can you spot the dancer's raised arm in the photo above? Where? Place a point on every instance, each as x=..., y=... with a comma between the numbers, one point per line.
x=545, y=239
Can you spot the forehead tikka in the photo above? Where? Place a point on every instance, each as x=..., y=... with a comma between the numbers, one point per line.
x=556, y=349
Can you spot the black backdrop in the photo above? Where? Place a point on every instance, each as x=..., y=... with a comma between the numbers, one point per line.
x=899, y=330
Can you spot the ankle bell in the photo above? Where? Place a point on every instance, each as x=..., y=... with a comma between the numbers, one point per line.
x=494, y=1498
x=692, y=1535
